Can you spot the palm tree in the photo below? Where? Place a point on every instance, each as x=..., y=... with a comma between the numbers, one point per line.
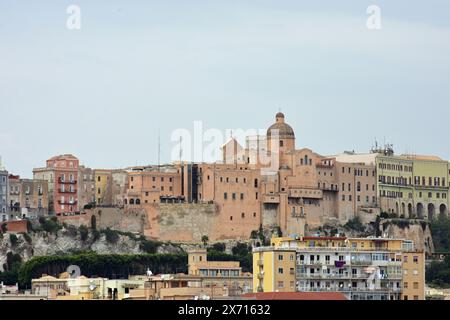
x=205, y=240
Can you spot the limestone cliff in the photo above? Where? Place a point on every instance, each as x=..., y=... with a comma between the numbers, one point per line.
x=411, y=229
x=68, y=240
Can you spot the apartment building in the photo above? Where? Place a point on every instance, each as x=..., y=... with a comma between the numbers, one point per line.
x=361, y=268
x=86, y=186
x=4, y=194
x=28, y=198
x=61, y=173
x=413, y=186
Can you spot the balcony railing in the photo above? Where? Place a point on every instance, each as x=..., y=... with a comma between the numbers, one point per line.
x=68, y=202
x=329, y=188
x=67, y=191
x=67, y=181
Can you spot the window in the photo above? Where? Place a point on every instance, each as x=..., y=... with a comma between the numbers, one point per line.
x=233, y=196
x=280, y=270
x=280, y=257
x=405, y=285
x=416, y=259
x=254, y=214
x=280, y=284
x=281, y=143
x=225, y=196
x=231, y=218
x=242, y=215
x=416, y=285
x=242, y=196
x=99, y=178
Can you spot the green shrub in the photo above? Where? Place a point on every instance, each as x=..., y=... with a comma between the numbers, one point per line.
x=110, y=266
x=112, y=236
x=149, y=246
x=355, y=224
x=50, y=225
x=440, y=231
x=241, y=249
x=13, y=238
x=27, y=237
x=219, y=247
x=95, y=235
x=84, y=232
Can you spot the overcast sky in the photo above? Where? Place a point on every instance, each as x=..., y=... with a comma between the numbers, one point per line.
x=137, y=68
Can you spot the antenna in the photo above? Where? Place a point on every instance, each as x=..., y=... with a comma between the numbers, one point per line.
x=159, y=150
x=181, y=149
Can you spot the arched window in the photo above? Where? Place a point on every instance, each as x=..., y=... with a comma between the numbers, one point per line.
x=138, y=201
x=131, y=201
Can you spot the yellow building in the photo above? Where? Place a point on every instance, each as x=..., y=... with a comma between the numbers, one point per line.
x=413, y=186
x=219, y=273
x=361, y=268
x=102, y=186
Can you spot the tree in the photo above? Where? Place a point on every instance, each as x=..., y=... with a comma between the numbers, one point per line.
x=111, y=235
x=205, y=240
x=219, y=247
x=84, y=232
x=440, y=231
x=4, y=228
x=13, y=238
x=94, y=222
x=355, y=224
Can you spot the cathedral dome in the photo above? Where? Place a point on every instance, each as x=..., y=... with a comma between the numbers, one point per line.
x=285, y=131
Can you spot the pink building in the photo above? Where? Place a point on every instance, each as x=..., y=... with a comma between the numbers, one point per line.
x=61, y=173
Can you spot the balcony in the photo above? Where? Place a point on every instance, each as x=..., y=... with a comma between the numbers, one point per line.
x=70, y=203
x=67, y=191
x=67, y=181
x=329, y=188
x=268, y=198
x=305, y=193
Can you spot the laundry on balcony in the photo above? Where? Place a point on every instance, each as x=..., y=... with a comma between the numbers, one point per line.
x=339, y=264
x=369, y=270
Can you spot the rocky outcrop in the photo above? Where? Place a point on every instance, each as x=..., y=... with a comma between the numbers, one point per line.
x=411, y=229
x=64, y=241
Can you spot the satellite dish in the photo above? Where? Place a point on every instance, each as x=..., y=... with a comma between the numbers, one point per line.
x=92, y=287
x=149, y=273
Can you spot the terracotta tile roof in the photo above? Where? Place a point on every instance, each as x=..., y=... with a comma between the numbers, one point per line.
x=296, y=296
